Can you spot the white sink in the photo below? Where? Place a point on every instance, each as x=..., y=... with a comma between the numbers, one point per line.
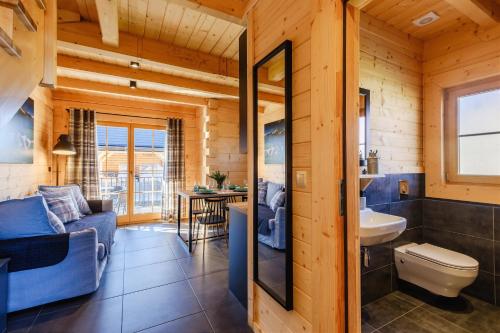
x=377, y=228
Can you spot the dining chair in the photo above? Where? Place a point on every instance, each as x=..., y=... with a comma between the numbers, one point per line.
x=197, y=209
x=214, y=214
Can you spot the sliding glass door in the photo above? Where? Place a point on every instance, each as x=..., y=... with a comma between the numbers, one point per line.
x=131, y=160
x=149, y=157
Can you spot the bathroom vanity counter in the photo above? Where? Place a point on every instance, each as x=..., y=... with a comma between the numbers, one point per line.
x=238, y=251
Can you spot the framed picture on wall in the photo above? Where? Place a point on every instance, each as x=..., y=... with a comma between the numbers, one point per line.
x=274, y=142
x=17, y=136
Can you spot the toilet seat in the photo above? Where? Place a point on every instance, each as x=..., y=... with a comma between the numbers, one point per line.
x=442, y=256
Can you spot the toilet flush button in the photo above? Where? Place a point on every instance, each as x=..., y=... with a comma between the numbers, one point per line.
x=402, y=261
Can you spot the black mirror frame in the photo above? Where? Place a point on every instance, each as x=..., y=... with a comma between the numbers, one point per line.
x=286, y=46
x=366, y=93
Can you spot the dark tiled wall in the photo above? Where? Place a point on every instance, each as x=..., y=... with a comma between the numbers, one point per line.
x=469, y=228
x=472, y=229
x=382, y=195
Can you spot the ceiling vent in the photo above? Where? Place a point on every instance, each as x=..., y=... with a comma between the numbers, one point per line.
x=426, y=19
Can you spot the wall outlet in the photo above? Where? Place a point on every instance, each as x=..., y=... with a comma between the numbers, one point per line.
x=404, y=188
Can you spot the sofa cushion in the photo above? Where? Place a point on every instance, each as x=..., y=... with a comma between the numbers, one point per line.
x=82, y=204
x=63, y=206
x=272, y=188
x=261, y=192
x=104, y=223
x=24, y=218
x=264, y=215
x=278, y=200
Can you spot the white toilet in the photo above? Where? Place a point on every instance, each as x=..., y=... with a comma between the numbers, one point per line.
x=441, y=271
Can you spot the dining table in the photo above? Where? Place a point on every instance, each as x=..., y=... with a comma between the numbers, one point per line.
x=189, y=196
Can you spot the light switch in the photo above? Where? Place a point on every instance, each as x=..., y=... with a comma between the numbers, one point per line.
x=301, y=179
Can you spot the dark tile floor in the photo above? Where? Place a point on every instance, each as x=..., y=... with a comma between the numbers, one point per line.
x=151, y=284
x=416, y=311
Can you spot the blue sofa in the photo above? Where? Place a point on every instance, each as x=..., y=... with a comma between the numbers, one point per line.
x=49, y=266
x=271, y=225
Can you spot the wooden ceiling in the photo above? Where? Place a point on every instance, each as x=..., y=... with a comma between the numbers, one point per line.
x=187, y=49
x=171, y=21
x=454, y=14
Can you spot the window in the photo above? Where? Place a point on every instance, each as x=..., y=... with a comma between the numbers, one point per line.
x=472, y=129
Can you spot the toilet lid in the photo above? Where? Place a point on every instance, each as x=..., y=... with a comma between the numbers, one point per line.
x=443, y=256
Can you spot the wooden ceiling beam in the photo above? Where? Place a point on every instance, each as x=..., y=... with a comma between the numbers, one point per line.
x=107, y=11
x=87, y=35
x=106, y=88
x=360, y=4
x=482, y=12
x=229, y=10
x=97, y=101
x=101, y=68
x=74, y=63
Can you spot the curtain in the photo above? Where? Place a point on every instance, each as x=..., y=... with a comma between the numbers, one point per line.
x=82, y=168
x=173, y=171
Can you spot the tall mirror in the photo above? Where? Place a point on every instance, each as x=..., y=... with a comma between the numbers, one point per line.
x=272, y=132
x=364, y=114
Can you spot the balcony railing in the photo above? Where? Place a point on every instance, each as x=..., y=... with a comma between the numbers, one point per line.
x=147, y=191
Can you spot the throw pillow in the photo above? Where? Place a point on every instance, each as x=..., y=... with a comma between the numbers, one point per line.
x=24, y=218
x=272, y=189
x=83, y=206
x=261, y=194
x=62, y=192
x=278, y=200
x=56, y=223
x=63, y=207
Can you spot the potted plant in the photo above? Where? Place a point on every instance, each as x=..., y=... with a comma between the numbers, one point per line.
x=218, y=177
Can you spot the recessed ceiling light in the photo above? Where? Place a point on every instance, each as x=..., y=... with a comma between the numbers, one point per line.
x=426, y=19
x=135, y=64
x=133, y=84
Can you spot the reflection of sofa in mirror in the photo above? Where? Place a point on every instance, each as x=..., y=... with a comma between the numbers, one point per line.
x=271, y=214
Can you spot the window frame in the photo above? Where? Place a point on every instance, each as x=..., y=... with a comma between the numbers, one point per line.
x=451, y=136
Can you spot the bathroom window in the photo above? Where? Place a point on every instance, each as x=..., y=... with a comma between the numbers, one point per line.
x=472, y=128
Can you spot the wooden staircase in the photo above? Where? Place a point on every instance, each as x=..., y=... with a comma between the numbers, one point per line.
x=28, y=37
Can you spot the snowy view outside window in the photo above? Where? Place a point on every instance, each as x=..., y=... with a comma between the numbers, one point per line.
x=479, y=134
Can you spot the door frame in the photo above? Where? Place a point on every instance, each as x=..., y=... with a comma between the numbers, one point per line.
x=131, y=217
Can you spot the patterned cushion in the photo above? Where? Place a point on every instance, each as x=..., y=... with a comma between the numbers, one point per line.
x=272, y=189
x=56, y=223
x=83, y=206
x=63, y=206
x=261, y=194
x=278, y=200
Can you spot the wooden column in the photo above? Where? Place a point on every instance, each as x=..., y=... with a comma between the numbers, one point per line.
x=327, y=167
x=352, y=169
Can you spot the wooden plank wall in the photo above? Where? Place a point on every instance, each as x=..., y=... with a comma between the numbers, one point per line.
x=272, y=23
x=318, y=306
x=191, y=116
x=452, y=59
x=391, y=68
x=223, y=141
x=18, y=180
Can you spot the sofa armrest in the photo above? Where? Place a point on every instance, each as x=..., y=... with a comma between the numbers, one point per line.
x=100, y=206
x=34, y=252
x=278, y=228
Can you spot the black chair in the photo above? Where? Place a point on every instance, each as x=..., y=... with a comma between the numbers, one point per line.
x=214, y=214
x=197, y=209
